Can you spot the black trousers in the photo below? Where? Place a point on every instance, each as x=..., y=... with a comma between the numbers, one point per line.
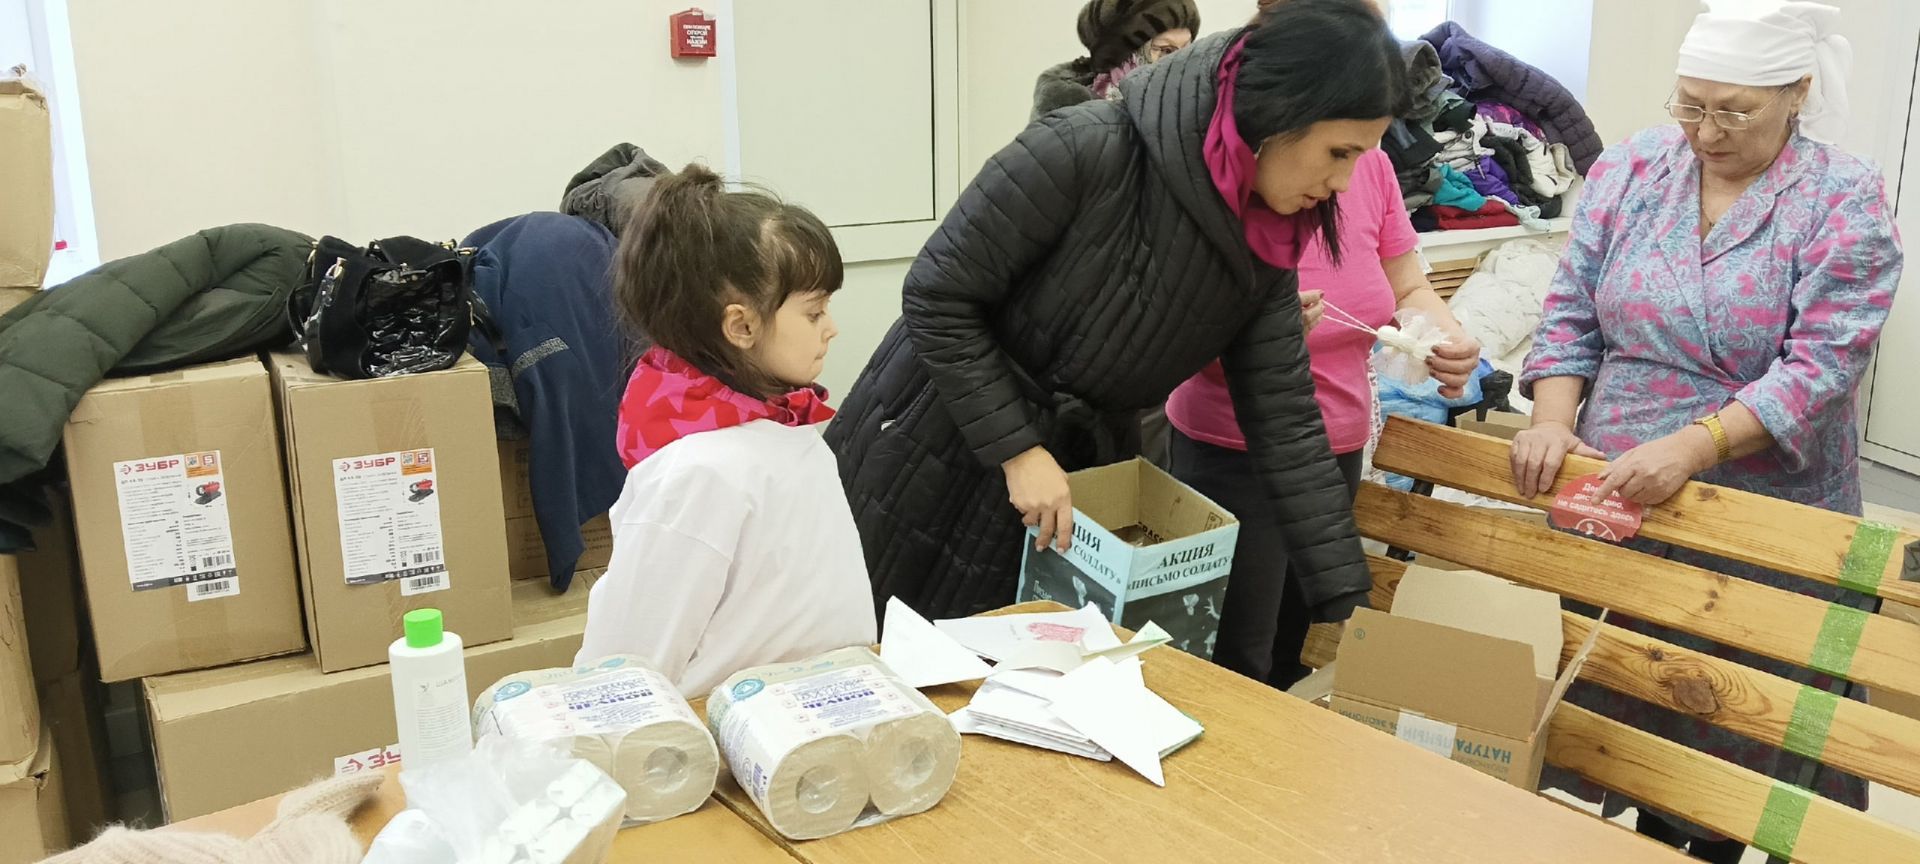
x=1264, y=624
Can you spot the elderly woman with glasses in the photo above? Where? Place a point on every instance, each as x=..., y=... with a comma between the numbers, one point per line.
x=1721, y=295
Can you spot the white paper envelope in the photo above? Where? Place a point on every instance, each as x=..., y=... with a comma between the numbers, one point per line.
x=921, y=654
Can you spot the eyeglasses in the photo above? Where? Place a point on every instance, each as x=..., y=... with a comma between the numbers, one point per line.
x=1731, y=121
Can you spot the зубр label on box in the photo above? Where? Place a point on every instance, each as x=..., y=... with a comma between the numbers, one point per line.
x=173, y=520
x=390, y=520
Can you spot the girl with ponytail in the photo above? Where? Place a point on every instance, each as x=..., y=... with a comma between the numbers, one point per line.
x=733, y=543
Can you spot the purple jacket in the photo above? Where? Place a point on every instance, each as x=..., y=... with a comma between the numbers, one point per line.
x=1483, y=72
x=1489, y=180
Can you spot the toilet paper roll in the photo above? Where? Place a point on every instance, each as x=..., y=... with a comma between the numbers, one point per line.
x=813, y=742
x=818, y=790
x=911, y=762
x=668, y=769
x=622, y=718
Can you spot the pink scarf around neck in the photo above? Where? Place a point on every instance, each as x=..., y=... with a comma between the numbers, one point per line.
x=1277, y=239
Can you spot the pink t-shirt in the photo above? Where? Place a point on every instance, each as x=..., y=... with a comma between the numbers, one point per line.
x=1373, y=226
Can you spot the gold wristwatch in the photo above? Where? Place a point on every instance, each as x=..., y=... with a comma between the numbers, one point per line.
x=1722, y=448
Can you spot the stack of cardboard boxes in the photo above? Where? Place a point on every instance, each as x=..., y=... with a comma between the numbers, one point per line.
x=33, y=806
x=243, y=510
x=237, y=543
x=231, y=513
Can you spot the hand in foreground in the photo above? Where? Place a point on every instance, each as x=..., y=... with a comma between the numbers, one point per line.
x=1538, y=453
x=1652, y=472
x=1452, y=364
x=1037, y=487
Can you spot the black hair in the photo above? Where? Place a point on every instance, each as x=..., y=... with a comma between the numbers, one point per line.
x=694, y=248
x=1311, y=60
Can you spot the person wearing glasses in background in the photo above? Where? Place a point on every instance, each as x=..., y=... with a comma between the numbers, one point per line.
x=1720, y=297
x=1120, y=36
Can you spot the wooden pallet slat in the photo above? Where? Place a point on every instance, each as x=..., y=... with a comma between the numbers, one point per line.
x=1714, y=793
x=1861, y=739
x=1765, y=620
x=1742, y=526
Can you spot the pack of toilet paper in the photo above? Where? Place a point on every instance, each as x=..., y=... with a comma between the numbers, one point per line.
x=619, y=716
x=832, y=743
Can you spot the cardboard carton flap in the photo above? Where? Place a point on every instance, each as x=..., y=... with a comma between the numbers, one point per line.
x=1173, y=510
x=1451, y=675
x=1109, y=494
x=1499, y=424
x=1478, y=603
x=21, y=87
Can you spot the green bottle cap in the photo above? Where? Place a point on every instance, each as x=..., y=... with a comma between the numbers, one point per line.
x=423, y=628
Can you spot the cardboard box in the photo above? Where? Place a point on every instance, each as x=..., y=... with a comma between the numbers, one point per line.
x=1499, y=424
x=1898, y=703
x=26, y=173
x=526, y=551
x=1465, y=667
x=1146, y=547
x=33, y=818
x=72, y=710
x=396, y=506
x=50, y=589
x=19, y=705
x=11, y=297
x=223, y=737
x=180, y=509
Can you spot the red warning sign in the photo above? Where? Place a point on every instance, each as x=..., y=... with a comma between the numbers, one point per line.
x=1612, y=520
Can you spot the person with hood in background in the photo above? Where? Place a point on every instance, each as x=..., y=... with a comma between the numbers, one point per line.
x=1109, y=253
x=1120, y=36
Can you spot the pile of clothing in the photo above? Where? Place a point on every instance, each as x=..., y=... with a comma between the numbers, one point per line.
x=1490, y=141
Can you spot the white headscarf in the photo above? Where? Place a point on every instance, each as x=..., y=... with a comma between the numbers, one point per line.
x=1769, y=43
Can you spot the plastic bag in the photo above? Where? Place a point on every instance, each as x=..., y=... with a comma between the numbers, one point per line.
x=1423, y=401
x=1402, y=353
x=623, y=717
x=833, y=743
x=508, y=801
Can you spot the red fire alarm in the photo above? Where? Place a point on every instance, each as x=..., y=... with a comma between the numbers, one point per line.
x=694, y=34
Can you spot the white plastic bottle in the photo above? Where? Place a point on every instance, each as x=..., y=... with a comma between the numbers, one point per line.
x=429, y=691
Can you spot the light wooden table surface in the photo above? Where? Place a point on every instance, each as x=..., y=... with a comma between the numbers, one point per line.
x=1273, y=779
x=710, y=835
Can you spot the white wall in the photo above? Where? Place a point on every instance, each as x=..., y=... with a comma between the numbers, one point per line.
x=339, y=117
x=305, y=114
x=1635, y=45
x=867, y=304
x=1546, y=35
x=1005, y=44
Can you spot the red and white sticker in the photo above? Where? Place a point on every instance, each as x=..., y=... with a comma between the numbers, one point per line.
x=173, y=521
x=367, y=760
x=1613, y=520
x=389, y=507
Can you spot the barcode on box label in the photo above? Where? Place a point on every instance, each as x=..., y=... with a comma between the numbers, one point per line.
x=431, y=556
x=212, y=561
x=423, y=584
x=212, y=589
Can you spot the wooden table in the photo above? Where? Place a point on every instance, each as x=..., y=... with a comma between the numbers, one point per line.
x=1273, y=779
x=710, y=835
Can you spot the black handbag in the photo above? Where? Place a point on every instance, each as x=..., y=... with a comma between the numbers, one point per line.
x=399, y=306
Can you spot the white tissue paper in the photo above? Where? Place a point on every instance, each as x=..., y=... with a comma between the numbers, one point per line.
x=622, y=717
x=510, y=801
x=1403, y=350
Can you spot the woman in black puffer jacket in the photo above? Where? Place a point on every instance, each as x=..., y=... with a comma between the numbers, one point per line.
x=1106, y=255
